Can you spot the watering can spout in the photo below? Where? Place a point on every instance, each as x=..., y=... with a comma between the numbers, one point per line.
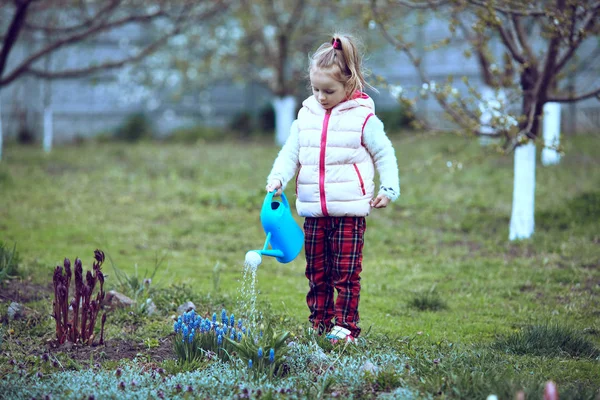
x=283, y=233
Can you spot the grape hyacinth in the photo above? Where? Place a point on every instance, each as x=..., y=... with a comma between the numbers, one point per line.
x=196, y=336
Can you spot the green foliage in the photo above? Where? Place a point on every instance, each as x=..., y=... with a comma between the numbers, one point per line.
x=195, y=134
x=197, y=338
x=9, y=261
x=135, y=128
x=242, y=123
x=266, y=119
x=549, y=340
x=263, y=353
x=582, y=209
x=394, y=121
x=428, y=300
x=136, y=286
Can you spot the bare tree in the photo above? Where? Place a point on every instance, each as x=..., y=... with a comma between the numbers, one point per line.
x=544, y=42
x=64, y=24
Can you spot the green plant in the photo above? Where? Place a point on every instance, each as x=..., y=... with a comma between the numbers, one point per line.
x=263, y=353
x=135, y=127
x=394, y=120
x=196, y=337
x=80, y=327
x=242, y=123
x=549, y=340
x=136, y=285
x=428, y=300
x=194, y=134
x=9, y=262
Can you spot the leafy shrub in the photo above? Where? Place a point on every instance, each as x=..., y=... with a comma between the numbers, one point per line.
x=242, y=123
x=9, y=261
x=548, y=340
x=401, y=118
x=136, y=127
x=266, y=119
x=79, y=328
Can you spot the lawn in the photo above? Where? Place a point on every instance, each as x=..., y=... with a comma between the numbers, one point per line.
x=440, y=278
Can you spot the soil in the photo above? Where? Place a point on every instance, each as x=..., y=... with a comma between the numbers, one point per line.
x=114, y=349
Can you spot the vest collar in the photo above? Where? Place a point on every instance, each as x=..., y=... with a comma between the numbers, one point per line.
x=359, y=99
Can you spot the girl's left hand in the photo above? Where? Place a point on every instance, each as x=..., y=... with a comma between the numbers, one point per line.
x=380, y=201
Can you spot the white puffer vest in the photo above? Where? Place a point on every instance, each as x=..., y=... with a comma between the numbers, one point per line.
x=336, y=171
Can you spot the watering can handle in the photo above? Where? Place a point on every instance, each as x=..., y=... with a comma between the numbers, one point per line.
x=270, y=195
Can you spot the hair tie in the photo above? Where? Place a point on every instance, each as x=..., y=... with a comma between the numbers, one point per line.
x=336, y=43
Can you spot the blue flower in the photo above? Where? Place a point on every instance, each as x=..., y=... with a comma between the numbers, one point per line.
x=219, y=339
x=271, y=355
x=240, y=324
x=244, y=329
x=214, y=317
x=176, y=327
x=239, y=336
x=232, y=336
x=224, y=318
x=185, y=331
x=249, y=363
x=260, y=352
x=231, y=321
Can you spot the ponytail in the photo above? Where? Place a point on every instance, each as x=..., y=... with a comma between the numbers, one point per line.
x=342, y=59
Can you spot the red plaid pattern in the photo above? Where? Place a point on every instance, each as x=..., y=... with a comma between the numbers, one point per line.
x=333, y=247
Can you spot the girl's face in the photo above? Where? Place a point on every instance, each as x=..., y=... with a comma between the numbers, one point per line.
x=328, y=91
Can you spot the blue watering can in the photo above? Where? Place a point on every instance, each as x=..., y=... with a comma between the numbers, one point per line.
x=283, y=233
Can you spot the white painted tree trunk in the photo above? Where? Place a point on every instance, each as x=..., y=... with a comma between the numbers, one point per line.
x=48, y=131
x=522, y=221
x=490, y=106
x=285, y=108
x=1, y=137
x=550, y=155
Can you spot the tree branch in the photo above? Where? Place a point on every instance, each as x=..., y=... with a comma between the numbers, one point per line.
x=507, y=39
x=12, y=33
x=95, y=19
x=587, y=26
x=548, y=71
x=507, y=10
x=426, y=5
x=573, y=99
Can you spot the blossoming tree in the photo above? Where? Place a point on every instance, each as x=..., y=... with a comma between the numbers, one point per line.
x=545, y=42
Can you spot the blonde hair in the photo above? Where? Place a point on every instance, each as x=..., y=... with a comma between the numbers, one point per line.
x=341, y=58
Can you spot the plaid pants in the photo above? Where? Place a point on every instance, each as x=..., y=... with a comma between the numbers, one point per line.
x=333, y=247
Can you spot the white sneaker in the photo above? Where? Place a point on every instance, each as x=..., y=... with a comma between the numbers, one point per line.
x=340, y=333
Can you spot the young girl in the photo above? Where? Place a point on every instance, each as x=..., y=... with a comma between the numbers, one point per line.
x=334, y=146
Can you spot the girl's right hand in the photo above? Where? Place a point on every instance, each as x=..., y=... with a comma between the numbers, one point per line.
x=274, y=185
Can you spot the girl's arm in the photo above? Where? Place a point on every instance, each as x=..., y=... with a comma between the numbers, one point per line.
x=381, y=149
x=286, y=163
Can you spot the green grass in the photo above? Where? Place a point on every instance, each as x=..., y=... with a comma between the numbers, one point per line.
x=198, y=207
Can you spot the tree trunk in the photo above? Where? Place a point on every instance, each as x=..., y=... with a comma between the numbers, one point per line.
x=1, y=137
x=48, y=128
x=522, y=219
x=551, y=126
x=285, y=108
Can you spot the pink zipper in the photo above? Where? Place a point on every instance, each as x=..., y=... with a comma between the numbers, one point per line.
x=360, y=179
x=322, y=164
